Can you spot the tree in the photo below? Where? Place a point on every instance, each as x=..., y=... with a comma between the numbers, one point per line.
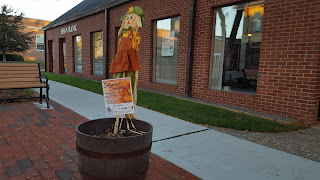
x=12, y=38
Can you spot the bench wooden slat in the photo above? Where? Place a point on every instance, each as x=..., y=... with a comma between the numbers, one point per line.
x=18, y=65
x=18, y=68
x=4, y=76
x=24, y=80
x=17, y=72
x=19, y=85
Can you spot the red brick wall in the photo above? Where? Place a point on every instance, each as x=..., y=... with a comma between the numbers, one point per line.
x=291, y=59
x=288, y=83
x=289, y=74
x=85, y=27
x=155, y=10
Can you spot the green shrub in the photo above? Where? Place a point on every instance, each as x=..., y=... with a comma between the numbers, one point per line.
x=12, y=57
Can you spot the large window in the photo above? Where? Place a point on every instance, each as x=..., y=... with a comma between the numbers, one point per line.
x=166, y=46
x=236, y=47
x=78, y=53
x=40, y=42
x=97, y=53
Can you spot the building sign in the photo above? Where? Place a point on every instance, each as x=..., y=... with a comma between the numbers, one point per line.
x=118, y=96
x=69, y=29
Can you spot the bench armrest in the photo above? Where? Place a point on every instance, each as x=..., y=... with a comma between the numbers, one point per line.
x=46, y=78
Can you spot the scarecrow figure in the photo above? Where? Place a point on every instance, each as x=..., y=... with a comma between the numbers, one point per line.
x=126, y=63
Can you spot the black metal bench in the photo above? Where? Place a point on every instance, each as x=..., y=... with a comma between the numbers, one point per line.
x=23, y=76
x=251, y=77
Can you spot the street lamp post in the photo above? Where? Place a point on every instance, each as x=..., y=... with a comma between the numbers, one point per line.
x=250, y=43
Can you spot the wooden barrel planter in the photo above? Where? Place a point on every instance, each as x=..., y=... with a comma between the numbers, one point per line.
x=120, y=158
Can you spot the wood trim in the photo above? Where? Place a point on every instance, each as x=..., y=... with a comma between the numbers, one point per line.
x=35, y=79
x=18, y=72
x=19, y=76
x=138, y=176
x=18, y=68
x=18, y=64
x=19, y=85
x=108, y=156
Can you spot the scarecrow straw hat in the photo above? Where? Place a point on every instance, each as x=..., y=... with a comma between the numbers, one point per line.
x=135, y=10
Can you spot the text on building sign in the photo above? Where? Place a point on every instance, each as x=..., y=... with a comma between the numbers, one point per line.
x=69, y=29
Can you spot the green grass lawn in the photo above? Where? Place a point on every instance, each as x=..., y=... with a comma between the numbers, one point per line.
x=187, y=110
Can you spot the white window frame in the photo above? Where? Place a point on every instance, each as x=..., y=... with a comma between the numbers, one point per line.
x=41, y=44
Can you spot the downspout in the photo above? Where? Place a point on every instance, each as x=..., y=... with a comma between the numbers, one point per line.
x=190, y=52
x=106, y=43
x=45, y=50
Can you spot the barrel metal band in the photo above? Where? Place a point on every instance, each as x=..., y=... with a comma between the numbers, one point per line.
x=98, y=155
x=138, y=176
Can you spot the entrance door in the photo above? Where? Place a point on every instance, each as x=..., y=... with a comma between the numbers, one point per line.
x=50, y=56
x=319, y=112
x=64, y=55
x=62, y=42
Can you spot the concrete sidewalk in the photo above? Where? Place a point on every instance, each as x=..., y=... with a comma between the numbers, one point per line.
x=205, y=153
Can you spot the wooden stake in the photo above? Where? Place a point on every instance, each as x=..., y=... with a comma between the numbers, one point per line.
x=120, y=123
x=135, y=96
x=116, y=125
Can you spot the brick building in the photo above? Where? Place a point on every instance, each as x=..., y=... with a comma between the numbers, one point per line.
x=36, y=51
x=259, y=55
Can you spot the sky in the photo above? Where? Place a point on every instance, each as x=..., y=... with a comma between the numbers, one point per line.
x=230, y=14
x=41, y=9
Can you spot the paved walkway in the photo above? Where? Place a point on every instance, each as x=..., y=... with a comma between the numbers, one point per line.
x=40, y=144
x=205, y=153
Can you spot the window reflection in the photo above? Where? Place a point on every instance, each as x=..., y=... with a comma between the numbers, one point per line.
x=166, y=51
x=256, y=22
x=236, y=47
x=78, y=53
x=98, y=53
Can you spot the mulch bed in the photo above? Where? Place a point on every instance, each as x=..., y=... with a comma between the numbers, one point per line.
x=14, y=93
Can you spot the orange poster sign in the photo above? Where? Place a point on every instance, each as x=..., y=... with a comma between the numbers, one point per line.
x=118, y=96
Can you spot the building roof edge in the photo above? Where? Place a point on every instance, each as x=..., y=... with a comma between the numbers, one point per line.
x=63, y=21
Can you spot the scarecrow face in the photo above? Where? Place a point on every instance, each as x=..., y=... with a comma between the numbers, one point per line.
x=133, y=21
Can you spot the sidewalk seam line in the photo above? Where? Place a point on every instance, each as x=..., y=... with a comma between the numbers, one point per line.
x=180, y=135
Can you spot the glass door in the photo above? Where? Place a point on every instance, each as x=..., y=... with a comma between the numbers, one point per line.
x=78, y=53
